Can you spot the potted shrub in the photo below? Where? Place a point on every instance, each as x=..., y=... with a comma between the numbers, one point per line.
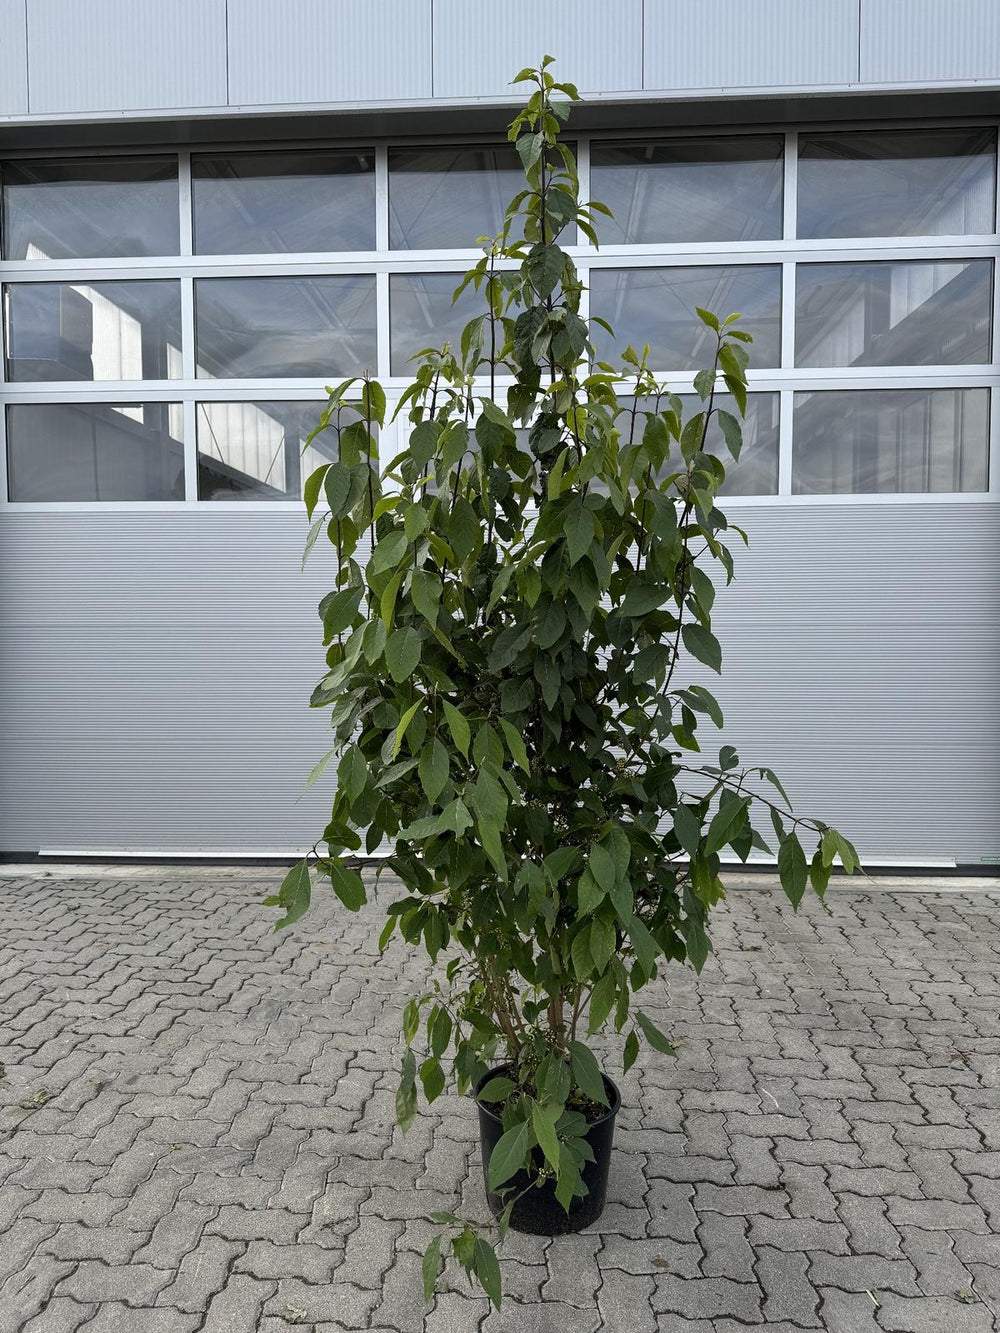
x=504, y=676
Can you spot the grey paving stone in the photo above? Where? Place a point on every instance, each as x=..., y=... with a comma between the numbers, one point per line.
x=847, y=1312
x=224, y=1113
x=933, y=1314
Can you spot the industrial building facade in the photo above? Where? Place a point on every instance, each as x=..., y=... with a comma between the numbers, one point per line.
x=213, y=208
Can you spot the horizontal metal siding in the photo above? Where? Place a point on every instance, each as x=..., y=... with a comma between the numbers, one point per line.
x=155, y=671
x=479, y=47
x=315, y=51
x=126, y=55
x=13, y=59
x=929, y=40
x=732, y=44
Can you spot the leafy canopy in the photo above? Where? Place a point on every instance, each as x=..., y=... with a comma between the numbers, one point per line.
x=504, y=679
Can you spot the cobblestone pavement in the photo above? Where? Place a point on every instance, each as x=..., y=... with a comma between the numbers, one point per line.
x=196, y=1125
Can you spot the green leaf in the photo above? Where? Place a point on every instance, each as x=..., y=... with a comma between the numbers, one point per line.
x=819, y=874
x=709, y=703
x=432, y=1078
x=580, y=530
x=543, y=1122
x=702, y=644
x=602, y=867
x=312, y=488
x=508, y=1156
x=732, y=432
x=602, y=1001
x=687, y=826
x=704, y=383
x=411, y=1018
x=339, y=610
x=402, y=653
x=631, y=1052
x=433, y=769
x=642, y=598
x=387, y=554
x=792, y=869
x=583, y=962
x=487, y=1270
x=425, y=590
x=406, y=1093
x=727, y=824
x=347, y=885
x=429, y=1266
x=404, y=722
x=587, y=1073
x=352, y=773
x=459, y=727
x=654, y=1036
x=337, y=485
x=515, y=745
x=294, y=893
x=311, y=540
x=707, y=317
x=496, y=1090
x=770, y=776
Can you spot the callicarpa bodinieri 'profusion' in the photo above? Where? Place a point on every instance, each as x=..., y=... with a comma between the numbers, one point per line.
x=505, y=679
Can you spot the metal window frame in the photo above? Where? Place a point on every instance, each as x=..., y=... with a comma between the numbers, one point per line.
x=786, y=252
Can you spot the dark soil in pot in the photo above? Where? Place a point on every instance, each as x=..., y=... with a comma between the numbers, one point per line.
x=539, y=1212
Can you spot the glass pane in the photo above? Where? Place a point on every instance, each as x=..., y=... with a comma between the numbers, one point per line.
x=445, y=198
x=755, y=472
x=93, y=331
x=270, y=203
x=87, y=208
x=254, y=451
x=875, y=441
x=303, y=327
x=421, y=314
x=689, y=189
x=657, y=306
x=894, y=314
x=95, y=451
x=897, y=183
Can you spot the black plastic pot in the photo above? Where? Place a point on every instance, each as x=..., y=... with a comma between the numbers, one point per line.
x=539, y=1212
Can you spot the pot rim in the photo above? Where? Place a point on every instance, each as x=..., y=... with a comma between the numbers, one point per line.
x=485, y=1109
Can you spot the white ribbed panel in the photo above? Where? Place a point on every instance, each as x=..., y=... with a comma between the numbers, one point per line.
x=13, y=59
x=125, y=55
x=917, y=40
x=156, y=670
x=328, y=51
x=733, y=44
x=480, y=46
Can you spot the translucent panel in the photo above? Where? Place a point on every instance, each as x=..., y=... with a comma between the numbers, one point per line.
x=84, y=208
x=93, y=331
x=421, y=314
x=897, y=183
x=95, y=451
x=254, y=450
x=302, y=327
x=269, y=203
x=888, y=441
x=445, y=198
x=689, y=189
x=657, y=306
x=755, y=472
x=913, y=313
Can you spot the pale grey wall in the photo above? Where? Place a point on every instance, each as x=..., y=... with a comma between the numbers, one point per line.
x=106, y=56
x=156, y=667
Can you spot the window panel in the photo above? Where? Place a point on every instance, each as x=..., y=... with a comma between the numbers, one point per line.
x=913, y=313
x=254, y=450
x=897, y=183
x=95, y=451
x=93, y=331
x=725, y=189
x=271, y=203
x=88, y=208
x=421, y=314
x=443, y=198
x=657, y=305
x=301, y=327
x=890, y=441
